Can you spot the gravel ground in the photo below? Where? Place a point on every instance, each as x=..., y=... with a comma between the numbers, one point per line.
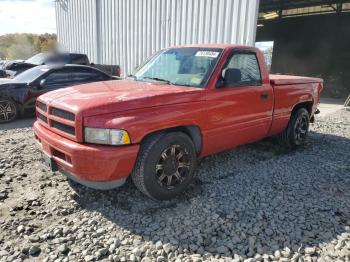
x=253, y=203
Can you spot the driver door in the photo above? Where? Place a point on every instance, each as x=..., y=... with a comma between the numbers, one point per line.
x=240, y=111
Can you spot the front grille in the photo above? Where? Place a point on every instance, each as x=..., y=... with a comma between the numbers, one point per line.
x=57, y=119
x=63, y=114
x=42, y=117
x=65, y=128
x=42, y=106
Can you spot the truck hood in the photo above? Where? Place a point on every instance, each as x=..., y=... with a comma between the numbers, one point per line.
x=119, y=95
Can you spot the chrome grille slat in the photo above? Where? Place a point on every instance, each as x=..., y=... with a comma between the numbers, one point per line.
x=42, y=106
x=65, y=128
x=62, y=113
x=58, y=119
x=42, y=117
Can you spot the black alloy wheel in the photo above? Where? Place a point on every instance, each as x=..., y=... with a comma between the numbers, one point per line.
x=297, y=130
x=165, y=165
x=8, y=110
x=301, y=128
x=173, y=166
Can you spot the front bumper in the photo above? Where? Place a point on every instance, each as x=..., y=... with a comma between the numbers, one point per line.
x=100, y=167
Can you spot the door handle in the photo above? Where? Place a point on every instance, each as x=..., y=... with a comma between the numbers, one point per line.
x=264, y=96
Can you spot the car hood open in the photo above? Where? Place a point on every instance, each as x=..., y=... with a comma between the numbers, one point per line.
x=11, y=82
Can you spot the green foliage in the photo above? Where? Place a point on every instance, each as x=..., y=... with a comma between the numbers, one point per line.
x=23, y=46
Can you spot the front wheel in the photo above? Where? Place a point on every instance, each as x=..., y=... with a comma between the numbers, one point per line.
x=8, y=110
x=296, y=132
x=165, y=165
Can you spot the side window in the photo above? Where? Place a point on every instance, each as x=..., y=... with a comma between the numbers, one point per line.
x=59, y=76
x=245, y=70
x=85, y=75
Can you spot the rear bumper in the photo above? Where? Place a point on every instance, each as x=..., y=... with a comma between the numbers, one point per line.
x=101, y=167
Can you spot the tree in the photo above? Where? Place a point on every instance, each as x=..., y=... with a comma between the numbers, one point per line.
x=22, y=46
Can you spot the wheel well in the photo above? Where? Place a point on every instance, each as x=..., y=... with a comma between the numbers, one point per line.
x=192, y=131
x=307, y=105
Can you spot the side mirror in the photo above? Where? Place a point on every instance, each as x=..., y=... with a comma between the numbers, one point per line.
x=42, y=83
x=230, y=76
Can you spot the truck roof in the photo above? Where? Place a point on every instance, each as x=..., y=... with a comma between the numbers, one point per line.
x=223, y=46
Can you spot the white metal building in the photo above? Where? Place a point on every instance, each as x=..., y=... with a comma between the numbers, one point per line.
x=126, y=32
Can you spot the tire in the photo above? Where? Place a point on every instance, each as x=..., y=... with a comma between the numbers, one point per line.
x=162, y=156
x=8, y=110
x=297, y=130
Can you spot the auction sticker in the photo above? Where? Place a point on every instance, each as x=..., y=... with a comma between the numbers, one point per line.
x=207, y=54
x=196, y=80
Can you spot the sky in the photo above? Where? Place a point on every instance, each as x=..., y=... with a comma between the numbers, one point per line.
x=264, y=45
x=27, y=16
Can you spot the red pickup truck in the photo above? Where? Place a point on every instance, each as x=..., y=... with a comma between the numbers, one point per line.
x=182, y=104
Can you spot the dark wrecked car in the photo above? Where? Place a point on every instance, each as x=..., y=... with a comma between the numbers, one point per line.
x=10, y=69
x=13, y=68
x=18, y=95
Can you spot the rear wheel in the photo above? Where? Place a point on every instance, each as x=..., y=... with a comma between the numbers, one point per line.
x=165, y=165
x=8, y=110
x=296, y=132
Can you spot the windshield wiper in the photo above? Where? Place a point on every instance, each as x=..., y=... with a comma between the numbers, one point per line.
x=181, y=84
x=132, y=76
x=158, y=79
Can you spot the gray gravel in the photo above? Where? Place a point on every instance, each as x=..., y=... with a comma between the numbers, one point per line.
x=254, y=203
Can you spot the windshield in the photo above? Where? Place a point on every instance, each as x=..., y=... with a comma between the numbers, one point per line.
x=31, y=74
x=188, y=66
x=37, y=59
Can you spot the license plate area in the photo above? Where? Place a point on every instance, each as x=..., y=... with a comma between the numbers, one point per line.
x=49, y=162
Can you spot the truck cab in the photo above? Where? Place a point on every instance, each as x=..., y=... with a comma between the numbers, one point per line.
x=182, y=104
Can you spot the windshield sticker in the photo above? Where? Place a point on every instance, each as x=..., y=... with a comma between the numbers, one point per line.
x=207, y=54
x=196, y=80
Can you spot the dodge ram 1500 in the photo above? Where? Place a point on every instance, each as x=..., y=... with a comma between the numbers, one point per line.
x=184, y=103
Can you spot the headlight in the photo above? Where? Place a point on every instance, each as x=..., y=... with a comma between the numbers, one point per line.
x=106, y=136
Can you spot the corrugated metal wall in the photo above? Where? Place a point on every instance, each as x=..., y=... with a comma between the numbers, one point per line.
x=126, y=32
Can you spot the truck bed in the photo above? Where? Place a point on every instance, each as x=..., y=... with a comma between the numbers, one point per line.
x=288, y=79
x=290, y=91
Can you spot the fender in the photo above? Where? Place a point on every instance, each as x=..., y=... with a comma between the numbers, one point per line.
x=140, y=123
x=298, y=95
